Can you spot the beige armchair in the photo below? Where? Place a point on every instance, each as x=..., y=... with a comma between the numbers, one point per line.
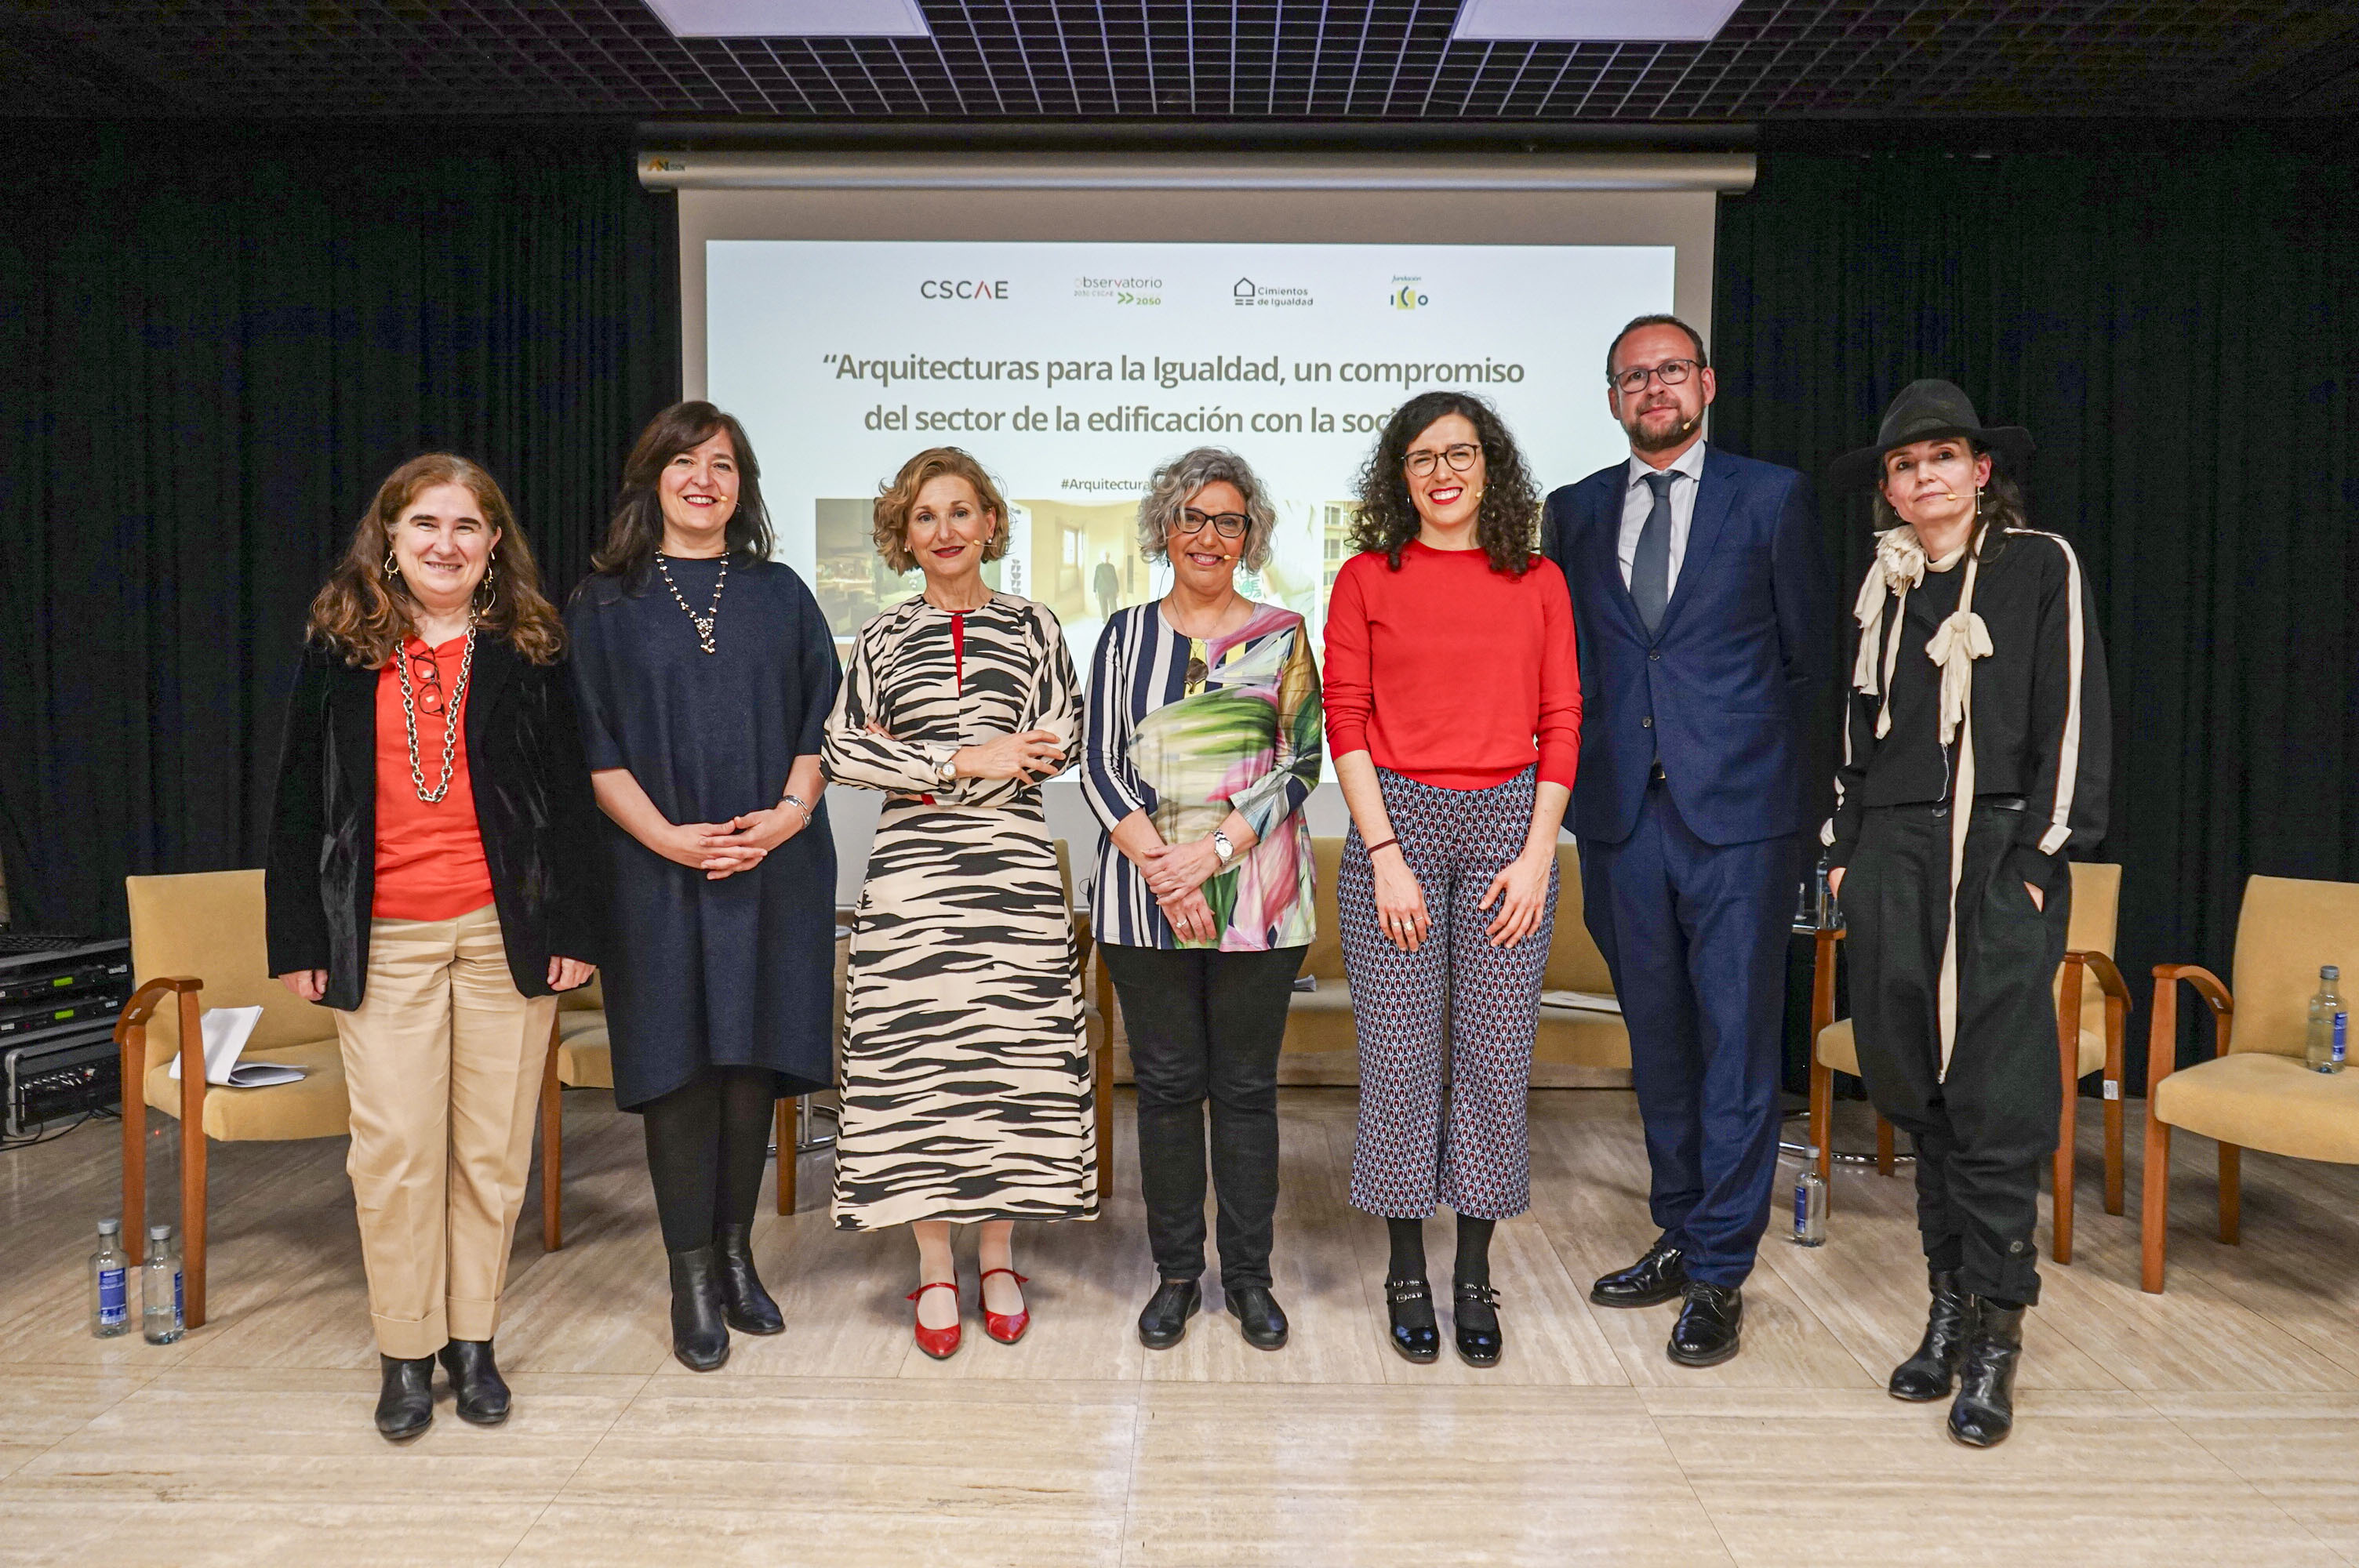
x=2089, y=1021
x=200, y=939
x=1320, y=1020
x=2255, y=1092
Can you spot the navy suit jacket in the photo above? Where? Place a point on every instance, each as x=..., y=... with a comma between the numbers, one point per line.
x=1729, y=690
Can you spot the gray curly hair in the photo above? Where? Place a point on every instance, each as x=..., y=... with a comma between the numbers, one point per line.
x=1172, y=486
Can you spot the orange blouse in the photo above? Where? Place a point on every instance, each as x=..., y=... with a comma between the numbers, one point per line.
x=429, y=858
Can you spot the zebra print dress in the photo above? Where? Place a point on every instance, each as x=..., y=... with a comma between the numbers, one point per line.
x=966, y=1075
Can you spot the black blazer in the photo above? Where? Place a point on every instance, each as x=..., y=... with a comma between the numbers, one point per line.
x=533, y=807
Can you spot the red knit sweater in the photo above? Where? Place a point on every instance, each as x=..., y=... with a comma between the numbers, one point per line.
x=1449, y=672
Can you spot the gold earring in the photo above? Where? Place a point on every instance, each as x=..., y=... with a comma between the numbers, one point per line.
x=391, y=567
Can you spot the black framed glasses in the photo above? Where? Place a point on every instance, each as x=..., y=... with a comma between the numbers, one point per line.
x=428, y=675
x=1227, y=524
x=1460, y=458
x=1670, y=372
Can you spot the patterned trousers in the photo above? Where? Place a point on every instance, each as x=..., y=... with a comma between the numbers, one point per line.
x=1466, y=1144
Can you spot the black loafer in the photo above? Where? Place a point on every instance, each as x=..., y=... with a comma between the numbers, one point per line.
x=475, y=1381
x=1260, y=1317
x=700, y=1333
x=1706, y=1333
x=1409, y=1303
x=1653, y=1280
x=1930, y=1373
x=405, y=1400
x=745, y=1305
x=1985, y=1412
x=1479, y=1343
x=1163, y=1322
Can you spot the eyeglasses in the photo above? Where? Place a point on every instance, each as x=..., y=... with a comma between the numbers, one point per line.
x=428, y=677
x=1460, y=458
x=1670, y=372
x=1228, y=525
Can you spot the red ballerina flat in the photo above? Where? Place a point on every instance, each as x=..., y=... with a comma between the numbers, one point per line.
x=1005, y=1328
x=941, y=1343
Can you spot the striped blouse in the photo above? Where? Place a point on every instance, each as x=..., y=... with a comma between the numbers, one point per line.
x=1243, y=734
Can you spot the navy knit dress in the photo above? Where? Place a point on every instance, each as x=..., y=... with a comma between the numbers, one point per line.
x=699, y=973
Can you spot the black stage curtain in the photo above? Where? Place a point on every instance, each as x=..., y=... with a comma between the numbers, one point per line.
x=216, y=345
x=2176, y=319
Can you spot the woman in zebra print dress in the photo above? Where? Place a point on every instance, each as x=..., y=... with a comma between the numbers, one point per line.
x=966, y=1080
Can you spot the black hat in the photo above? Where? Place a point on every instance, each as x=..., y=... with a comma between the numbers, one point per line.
x=1926, y=411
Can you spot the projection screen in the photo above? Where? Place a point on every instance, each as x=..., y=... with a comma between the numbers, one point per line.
x=1074, y=321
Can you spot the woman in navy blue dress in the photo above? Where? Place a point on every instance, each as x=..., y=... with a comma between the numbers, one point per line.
x=705, y=672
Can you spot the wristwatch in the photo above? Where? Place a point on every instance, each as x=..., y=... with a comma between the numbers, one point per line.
x=948, y=772
x=1223, y=848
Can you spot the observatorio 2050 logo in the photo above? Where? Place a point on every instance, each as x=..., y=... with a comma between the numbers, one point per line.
x=1405, y=295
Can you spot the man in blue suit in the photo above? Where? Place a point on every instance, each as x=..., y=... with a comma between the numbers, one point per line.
x=1701, y=600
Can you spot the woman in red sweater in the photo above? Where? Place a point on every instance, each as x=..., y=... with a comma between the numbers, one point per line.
x=1454, y=709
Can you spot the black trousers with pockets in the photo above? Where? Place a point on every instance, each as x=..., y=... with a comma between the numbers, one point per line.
x=1984, y=1131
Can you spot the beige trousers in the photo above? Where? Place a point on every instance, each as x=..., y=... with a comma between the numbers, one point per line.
x=443, y=1060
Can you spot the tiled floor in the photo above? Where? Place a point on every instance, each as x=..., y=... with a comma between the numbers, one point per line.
x=2214, y=1425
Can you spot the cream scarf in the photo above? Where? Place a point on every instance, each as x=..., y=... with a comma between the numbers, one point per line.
x=1899, y=566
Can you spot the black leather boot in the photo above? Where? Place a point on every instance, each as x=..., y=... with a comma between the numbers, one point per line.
x=1260, y=1317
x=1985, y=1412
x=1708, y=1326
x=475, y=1381
x=747, y=1304
x=1475, y=1309
x=1929, y=1373
x=405, y=1401
x=700, y=1333
x=1164, y=1321
x=1653, y=1280
x=1414, y=1333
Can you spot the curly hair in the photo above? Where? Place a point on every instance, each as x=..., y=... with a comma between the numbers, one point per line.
x=638, y=529
x=364, y=611
x=894, y=500
x=1172, y=486
x=1506, y=518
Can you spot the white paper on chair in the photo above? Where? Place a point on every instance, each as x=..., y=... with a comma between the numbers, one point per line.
x=1586, y=1002
x=227, y=1030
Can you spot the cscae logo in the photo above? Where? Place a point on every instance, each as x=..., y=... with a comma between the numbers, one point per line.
x=962, y=288
x=1404, y=295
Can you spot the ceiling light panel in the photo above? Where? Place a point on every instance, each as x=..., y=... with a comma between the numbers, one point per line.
x=1585, y=21
x=791, y=18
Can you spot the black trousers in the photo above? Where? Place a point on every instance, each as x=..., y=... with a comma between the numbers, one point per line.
x=1206, y=1025
x=1984, y=1131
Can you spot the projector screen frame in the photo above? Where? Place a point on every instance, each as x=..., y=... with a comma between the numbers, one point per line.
x=1244, y=198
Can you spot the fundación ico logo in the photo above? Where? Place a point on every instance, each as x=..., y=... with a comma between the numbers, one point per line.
x=1404, y=295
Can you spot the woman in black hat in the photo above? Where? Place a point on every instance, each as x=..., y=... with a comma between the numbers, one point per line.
x=1976, y=745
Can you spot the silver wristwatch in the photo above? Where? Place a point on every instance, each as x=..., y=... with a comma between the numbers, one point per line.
x=1223, y=848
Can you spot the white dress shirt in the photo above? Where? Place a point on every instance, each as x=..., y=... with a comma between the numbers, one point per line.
x=1639, y=500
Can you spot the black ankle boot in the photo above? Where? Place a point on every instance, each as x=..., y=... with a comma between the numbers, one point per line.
x=1476, y=1309
x=699, y=1334
x=1928, y=1375
x=747, y=1304
x=1985, y=1412
x=1414, y=1332
x=1163, y=1323
x=405, y=1401
x=475, y=1381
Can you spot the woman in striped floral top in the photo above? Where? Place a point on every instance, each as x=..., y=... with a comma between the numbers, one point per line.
x=1200, y=746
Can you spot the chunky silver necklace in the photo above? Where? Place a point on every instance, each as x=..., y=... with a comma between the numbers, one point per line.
x=703, y=623
x=450, y=720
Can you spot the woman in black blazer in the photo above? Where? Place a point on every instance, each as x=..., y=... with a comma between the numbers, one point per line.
x=427, y=881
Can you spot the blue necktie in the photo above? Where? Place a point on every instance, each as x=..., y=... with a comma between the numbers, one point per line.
x=1650, y=569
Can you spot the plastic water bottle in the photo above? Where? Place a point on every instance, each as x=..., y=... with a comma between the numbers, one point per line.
x=162, y=1308
x=110, y=1298
x=2329, y=1025
x=1810, y=1204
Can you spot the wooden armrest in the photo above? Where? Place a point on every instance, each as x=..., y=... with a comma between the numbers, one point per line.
x=2109, y=979
x=2162, y=1023
x=143, y=1003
